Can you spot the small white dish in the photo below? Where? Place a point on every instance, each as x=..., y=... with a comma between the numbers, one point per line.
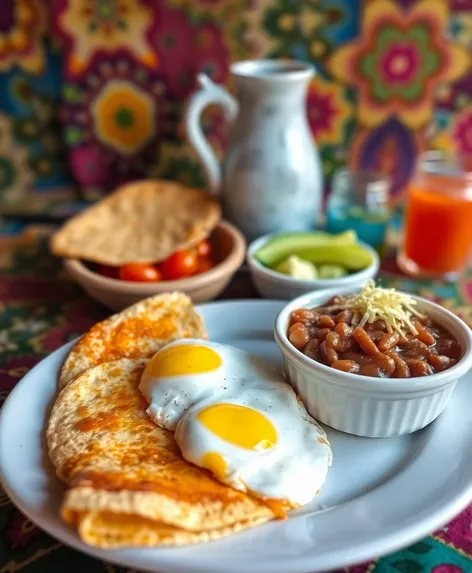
x=380, y=495
x=271, y=284
x=365, y=406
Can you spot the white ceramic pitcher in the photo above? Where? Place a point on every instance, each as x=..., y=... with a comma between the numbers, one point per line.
x=270, y=178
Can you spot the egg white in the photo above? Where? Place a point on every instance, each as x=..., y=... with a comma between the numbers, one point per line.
x=294, y=469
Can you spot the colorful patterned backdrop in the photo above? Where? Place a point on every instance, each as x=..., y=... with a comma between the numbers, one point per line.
x=93, y=91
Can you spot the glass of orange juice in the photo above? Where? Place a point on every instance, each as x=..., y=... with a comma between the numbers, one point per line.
x=437, y=239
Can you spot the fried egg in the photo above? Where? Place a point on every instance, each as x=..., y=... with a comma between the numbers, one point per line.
x=235, y=416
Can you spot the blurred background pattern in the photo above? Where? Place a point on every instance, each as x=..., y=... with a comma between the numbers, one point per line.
x=92, y=92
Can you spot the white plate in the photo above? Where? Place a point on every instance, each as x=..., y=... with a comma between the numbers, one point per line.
x=380, y=494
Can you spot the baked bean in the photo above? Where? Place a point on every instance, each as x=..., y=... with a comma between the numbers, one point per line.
x=305, y=316
x=365, y=341
x=328, y=354
x=421, y=368
x=370, y=370
x=343, y=329
x=331, y=354
x=424, y=336
x=311, y=349
x=361, y=359
x=348, y=344
x=322, y=333
x=416, y=349
x=448, y=347
x=385, y=363
x=334, y=300
x=299, y=338
x=326, y=321
x=378, y=324
x=346, y=366
x=344, y=316
x=405, y=339
x=388, y=341
x=401, y=367
x=296, y=326
x=332, y=339
x=376, y=335
x=439, y=362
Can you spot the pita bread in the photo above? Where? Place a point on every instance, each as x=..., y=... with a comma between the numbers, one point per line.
x=143, y=222
x=136, y=332
x=128, y=483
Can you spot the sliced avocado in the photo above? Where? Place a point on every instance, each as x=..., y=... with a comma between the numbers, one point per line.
x=282, y=246
x=331, y=271
x=297, y=268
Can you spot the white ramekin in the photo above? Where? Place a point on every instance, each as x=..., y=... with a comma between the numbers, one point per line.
x=365, y=406
x=271, y=284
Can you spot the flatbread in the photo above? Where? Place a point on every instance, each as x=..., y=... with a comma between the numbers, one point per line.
x=142, y=222
x=128, y=483
x=136, y=332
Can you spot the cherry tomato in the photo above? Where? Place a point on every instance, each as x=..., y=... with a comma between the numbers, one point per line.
x=204, y=250
x=180, y=265
x=205, y=265
x=106, y=271
x=139, y=272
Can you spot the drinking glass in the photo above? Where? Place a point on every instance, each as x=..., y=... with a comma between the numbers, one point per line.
x=359, y=200
x=438, y=219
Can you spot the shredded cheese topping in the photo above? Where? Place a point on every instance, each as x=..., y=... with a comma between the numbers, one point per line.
x=373, y=303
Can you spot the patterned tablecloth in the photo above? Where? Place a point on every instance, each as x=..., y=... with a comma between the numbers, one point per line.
x=41, y=309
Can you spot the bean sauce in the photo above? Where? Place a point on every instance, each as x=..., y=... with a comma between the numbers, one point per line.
x=335, y=339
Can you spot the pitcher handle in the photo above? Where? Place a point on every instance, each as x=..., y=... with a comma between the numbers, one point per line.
x=208, y=93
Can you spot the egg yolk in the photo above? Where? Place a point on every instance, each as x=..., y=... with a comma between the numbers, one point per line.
x=215, y=462
x=239, y=425
x=181, y=360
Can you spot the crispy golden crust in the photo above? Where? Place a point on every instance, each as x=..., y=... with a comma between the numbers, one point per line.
x=128, y=483
x=142, y=222
x=138, y=331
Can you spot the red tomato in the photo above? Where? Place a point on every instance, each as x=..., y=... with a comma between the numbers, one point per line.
x=204, y=250
x=179, y=265
x=205, y=265
x=110, y=272
x=139, y=272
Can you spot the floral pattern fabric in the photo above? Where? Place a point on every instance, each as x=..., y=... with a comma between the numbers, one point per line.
x=398, y=60
x=43, y=309
x=95, y=90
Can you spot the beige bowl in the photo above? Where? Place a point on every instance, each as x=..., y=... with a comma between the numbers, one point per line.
x=230, y=249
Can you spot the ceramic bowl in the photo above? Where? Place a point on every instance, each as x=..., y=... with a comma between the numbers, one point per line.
x=271, y=284
x=229, y=246
x=365, y=406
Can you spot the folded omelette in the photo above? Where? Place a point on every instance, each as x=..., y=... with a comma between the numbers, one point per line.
x=127, y=481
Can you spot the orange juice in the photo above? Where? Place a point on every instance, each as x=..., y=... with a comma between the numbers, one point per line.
x=438, y=225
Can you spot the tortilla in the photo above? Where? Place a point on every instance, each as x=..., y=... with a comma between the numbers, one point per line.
x=128, y=483
x=142, y=222
x=136, y=332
